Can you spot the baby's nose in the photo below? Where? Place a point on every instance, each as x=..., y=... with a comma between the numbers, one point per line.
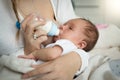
x=61, y=31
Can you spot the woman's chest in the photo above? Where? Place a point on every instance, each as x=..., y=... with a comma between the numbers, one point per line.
x=43, y=8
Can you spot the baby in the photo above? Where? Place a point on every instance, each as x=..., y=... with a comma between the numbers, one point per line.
x=75, y=34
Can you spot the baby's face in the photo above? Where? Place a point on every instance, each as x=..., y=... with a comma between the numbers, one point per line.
x=72, y=30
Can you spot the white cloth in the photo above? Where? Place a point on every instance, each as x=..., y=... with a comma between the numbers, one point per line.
x=99, y=69
x=17, y=64
x=12, y=67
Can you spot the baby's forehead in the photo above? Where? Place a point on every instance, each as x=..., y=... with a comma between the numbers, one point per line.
x=81, y=23
x=78, y=23
x=78, y=20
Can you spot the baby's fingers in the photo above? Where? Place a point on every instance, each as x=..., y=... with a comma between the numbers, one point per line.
x=26, y=56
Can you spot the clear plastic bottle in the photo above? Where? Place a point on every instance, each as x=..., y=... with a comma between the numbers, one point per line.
x=51, y=28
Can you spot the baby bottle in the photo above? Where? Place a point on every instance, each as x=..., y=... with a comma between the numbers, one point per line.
x=51, y=28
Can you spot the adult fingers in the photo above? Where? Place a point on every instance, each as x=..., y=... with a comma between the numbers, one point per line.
x=24, y=22
x=41, y=39
x=30, y=20
x=30, y=27
x=30, y=56
x=41, y=35
x=40, y=65
x=40, y=32
x=38, y=71
x=48, y=76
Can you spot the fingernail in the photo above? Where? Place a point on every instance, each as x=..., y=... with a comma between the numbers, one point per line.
x=36, y=19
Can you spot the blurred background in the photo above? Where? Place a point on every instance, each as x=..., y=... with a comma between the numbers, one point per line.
x=99, y=11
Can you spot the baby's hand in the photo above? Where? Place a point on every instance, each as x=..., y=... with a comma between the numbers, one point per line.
x=30, y=56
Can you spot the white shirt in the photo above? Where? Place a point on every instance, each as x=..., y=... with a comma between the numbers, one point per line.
x=66, y=45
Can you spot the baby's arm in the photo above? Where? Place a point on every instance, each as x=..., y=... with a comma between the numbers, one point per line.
x=50, y=53
x=45, y=54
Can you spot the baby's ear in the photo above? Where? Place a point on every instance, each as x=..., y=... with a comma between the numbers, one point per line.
x=82, y=44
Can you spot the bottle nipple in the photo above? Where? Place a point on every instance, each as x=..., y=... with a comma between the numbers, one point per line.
x=51, y=28
x=54, y=31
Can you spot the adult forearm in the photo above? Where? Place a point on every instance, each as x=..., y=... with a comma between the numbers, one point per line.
x=74, y=61
x=62, y=68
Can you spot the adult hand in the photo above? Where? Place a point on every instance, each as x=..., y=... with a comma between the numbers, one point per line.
x=29, y=30
x=62, y=68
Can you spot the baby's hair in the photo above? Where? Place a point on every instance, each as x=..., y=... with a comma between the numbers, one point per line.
x=91, y=33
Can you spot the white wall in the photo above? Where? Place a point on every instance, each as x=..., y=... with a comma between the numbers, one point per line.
x=93, y=10
x=89, y=9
